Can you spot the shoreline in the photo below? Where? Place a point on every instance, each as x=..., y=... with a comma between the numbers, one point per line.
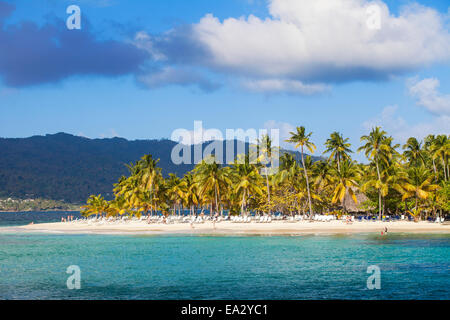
x=226, y=227
x=38, y=211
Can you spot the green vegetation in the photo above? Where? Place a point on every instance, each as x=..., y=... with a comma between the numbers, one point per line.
x=70, y=168
x=10, y=204
x=415, y=181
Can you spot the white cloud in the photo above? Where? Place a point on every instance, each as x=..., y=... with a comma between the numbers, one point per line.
x=284, y=130
x=427, y=95
x=176, y=76
x=304, y=44
x=196, y=136
x=401, y=130
x=324, y=40
x=283, y=85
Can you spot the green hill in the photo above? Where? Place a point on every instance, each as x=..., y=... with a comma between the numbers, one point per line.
x=70, y=168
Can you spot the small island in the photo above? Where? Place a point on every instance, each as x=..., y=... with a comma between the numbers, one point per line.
x=394, y=191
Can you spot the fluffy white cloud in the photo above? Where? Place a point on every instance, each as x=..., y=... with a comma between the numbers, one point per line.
x=401, y=130
x=304, y=44
x=427, y=95
x=325, y=40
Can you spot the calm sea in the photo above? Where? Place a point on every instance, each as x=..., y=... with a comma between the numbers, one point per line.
x=33, y=266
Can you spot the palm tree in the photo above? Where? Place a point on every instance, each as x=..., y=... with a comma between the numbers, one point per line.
x=419, y=185
x=338, y=147
x=95, y=205
x=301, y=139
x=441, y=150
x=176, y=189
x=265, y=147
x=117, y=206
x=345, y=179
x=247, y=181
x=211, y=179
x=429, y=142
x=377, y=149
x=413, y=152
x=192, y=197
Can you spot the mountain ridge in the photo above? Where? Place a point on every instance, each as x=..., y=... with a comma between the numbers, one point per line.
x=66, y=167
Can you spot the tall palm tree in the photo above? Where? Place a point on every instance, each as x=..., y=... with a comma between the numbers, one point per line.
x=192, y=197
x=441, y=150
x=302, y=140
x=177, y=191
x=338, y=147
x=413, y=152
x=265, y=148
x=378, y=150
x=247, y=181
x=212, y=179
x=429, y=142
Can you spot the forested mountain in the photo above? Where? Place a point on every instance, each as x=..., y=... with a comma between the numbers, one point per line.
x=70, y=168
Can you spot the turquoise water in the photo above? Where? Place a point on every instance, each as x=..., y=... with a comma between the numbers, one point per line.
x=33, y=266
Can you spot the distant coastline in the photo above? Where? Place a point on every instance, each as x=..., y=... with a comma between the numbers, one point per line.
x=48, y=210
x=29, y=205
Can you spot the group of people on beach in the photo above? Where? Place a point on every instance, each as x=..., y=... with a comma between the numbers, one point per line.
x=68, y=219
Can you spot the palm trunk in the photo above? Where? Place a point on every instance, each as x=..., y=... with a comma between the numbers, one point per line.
x=268, y=190
x=380, y=210
x=339, y=164
x=215, y=193
x=307, y=186
x=242, y=204
x=445, y=171
x=435, y=171
x=415, y=207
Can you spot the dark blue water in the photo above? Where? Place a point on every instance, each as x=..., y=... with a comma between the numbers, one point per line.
x=33, y=266
x=23, y=218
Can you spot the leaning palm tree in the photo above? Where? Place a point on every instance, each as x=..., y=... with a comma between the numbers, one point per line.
x=301, y=140
x=338, y=147
x=95, y=205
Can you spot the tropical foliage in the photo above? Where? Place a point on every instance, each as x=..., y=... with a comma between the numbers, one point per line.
x=412, y=179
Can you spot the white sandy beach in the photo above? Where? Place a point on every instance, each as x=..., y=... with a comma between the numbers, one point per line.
x=227, y=227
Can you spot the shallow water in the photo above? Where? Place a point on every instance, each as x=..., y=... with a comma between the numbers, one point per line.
x=33, y=266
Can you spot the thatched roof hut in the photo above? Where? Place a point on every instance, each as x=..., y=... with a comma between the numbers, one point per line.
x=351, y=206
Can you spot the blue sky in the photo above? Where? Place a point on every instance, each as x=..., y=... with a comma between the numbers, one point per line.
x=141, y=69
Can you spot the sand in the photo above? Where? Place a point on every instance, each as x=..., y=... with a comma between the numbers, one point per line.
x=226, y=227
